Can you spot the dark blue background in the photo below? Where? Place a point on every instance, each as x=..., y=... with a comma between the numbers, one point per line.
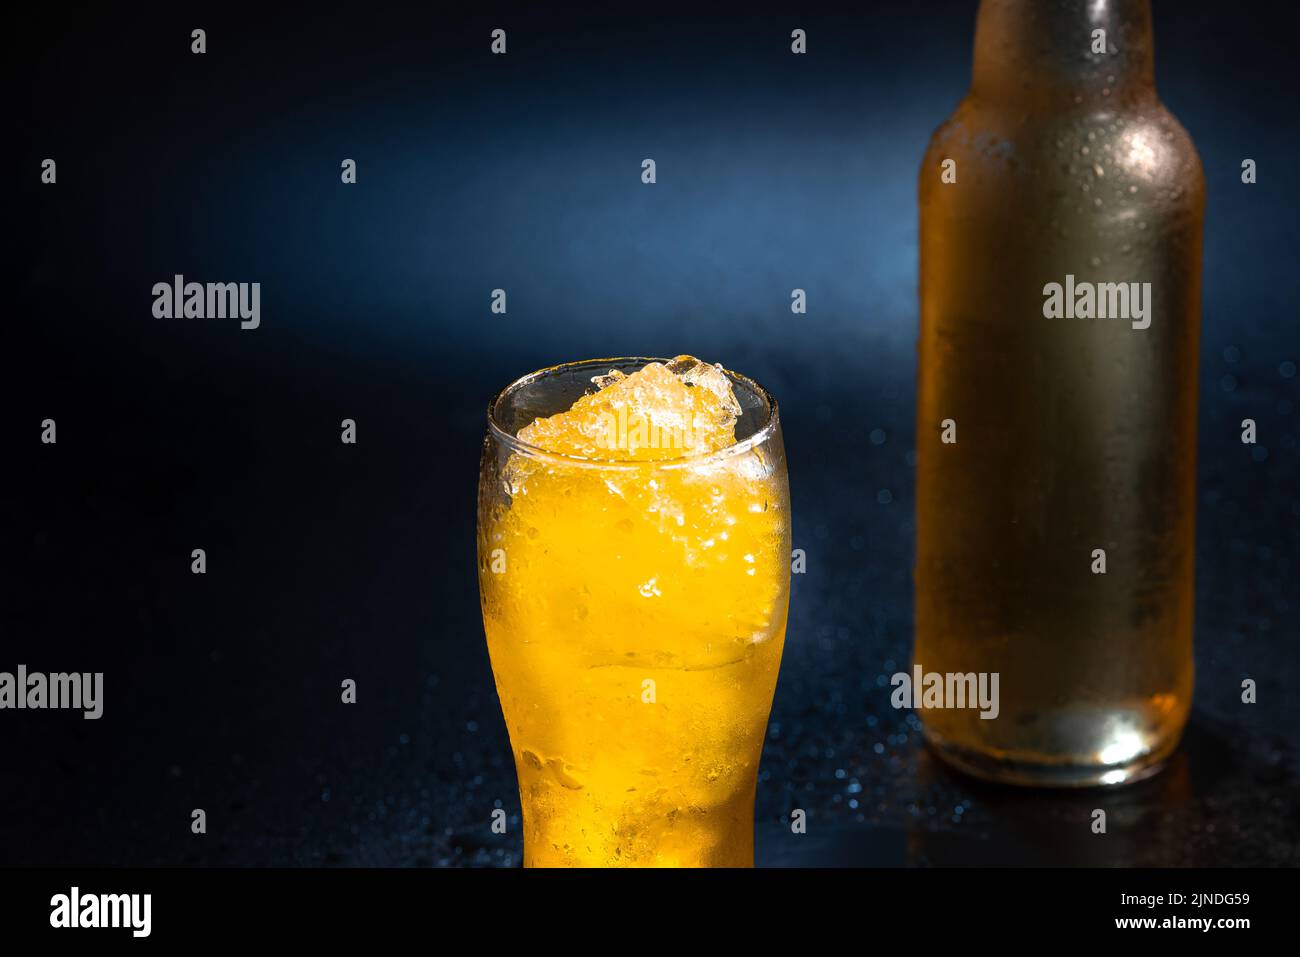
x=522, y=172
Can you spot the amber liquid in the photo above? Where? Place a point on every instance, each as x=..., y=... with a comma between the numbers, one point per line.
x=1071, y=435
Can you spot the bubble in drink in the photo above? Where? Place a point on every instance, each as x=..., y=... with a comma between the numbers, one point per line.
x=636, y=633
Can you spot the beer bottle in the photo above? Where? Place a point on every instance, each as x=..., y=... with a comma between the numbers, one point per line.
x=1060, y=258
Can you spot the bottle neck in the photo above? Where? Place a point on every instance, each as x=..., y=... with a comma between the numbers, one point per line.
x=1047, y=53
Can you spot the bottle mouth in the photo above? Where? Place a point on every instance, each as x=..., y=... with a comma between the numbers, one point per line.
x=759, y=412
x=1065, y=54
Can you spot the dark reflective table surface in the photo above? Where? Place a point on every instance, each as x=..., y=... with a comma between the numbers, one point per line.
x=222, y=691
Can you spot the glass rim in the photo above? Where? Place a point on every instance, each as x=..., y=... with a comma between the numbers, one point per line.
x=516, y=444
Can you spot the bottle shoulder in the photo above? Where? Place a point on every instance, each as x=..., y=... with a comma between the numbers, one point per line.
x=1134, y=145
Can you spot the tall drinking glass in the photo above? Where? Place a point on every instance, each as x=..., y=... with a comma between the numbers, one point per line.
x=635, y=612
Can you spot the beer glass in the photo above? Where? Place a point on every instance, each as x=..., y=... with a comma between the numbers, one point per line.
x=635, y=613
x=1060, y=256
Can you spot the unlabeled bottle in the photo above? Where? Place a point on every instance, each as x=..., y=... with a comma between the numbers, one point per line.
x=1056, y=449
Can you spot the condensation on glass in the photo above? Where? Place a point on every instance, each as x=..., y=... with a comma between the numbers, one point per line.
x=1071, y=441
x=635, y=614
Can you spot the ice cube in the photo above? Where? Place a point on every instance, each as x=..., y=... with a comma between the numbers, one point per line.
x=661, y=411
x=712, y=377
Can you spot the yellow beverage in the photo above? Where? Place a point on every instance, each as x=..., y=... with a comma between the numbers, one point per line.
x=634, y=587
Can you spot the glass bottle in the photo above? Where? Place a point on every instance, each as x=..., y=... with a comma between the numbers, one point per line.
x=1056, y=449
